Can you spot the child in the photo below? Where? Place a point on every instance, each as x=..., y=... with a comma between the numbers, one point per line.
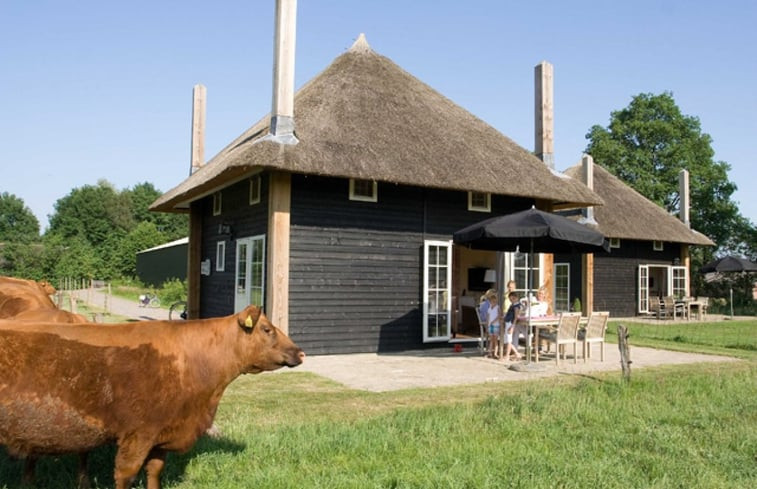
x=494, y=314
x=511, y=332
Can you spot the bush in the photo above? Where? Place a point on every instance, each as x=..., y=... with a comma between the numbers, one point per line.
x=173, y=290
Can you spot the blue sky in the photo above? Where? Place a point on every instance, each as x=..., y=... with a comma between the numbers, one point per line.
x=102, y=90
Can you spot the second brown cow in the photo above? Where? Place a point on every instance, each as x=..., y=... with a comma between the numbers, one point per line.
x=151, y=387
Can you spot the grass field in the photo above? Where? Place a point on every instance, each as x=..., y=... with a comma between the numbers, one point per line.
x=671, y=427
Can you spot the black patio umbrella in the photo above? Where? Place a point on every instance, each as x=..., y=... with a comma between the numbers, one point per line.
x=532, y=231
x=729, y=264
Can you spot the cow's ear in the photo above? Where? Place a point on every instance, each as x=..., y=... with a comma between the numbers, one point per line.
x=249, y=318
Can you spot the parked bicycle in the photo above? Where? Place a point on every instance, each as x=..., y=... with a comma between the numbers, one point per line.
x=178, y=311
x=149, y=300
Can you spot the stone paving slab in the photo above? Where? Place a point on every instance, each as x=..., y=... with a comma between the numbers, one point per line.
x=394, y=371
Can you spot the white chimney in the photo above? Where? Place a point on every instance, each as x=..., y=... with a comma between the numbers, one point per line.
x=587, y=169
x=199, y=94
x=684, y=198
x=544, y=113
x=282, y=107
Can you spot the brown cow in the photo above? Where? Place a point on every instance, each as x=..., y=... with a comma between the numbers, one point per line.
x=150, y=387
x=18, y=295
x=28, y=300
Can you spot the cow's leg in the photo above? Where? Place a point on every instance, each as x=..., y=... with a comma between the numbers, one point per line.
x=30, y=463
x=130, y=456
x=83, y=478
x=156, y=460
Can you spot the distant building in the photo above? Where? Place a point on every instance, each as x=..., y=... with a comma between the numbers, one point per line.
x=163, y=262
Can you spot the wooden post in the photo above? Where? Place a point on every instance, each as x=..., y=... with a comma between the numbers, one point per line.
x=587, y=279
x=544, y=113
x=625, y=354
x=194, y=257
x=277, y=293
x=199, y=96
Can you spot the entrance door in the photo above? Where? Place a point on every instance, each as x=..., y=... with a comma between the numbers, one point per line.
x=437, y=290
x=250, y=273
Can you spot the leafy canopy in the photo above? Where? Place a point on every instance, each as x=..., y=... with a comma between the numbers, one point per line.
x=649, y=142
x=17, y=222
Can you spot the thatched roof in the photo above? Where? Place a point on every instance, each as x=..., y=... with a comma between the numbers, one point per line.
x=365, y=117
x=627, y=214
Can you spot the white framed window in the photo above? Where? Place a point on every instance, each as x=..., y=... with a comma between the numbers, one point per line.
x=363, y=190
x=250, y=272
x=437, y=290
x=657, y=246
x=217, y=204
x=255, y=190
x=518, y=266
x=680, y=282
x=479, y=201
x=220, y=256
x=562, y=287
x=614, y=242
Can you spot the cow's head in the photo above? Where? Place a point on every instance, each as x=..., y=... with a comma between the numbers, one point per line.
x=266, y=347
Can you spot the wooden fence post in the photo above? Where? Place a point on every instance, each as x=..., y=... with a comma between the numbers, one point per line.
x=625, y=355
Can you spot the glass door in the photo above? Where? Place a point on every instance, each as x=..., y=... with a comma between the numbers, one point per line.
x=437, y=290
x=643, y=288
x=250, y=273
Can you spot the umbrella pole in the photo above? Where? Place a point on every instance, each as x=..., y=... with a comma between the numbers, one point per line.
x=731, y=302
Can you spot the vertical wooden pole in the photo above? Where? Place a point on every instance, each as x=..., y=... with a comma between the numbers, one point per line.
x=544, y=113
x=199, y=97
x=587, y=280
x=625, y=353
x=194, y=257
x=277, y=289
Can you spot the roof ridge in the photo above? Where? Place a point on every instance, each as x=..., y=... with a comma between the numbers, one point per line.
x=361, y=45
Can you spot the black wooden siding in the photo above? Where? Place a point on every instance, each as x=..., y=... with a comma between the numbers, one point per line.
x=356, y=268
x=217, y=289
x=616, y=275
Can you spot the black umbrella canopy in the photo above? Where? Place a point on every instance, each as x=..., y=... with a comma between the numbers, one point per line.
x=729, y=263
x=532, y=230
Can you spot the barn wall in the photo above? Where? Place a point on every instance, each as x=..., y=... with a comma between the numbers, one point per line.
x=157, y=266
x=616, y=274
x=217, y=293
x=356, y=267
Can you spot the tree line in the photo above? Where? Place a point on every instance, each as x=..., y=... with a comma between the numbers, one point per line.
x=94, y=232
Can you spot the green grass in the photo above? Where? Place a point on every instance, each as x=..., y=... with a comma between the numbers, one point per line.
x=670, y=427
x=733, y=338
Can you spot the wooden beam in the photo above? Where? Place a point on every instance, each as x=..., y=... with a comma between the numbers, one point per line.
x=544, y=134
x=194, y=257
x=277, y=280
x=199, y=97
x=587, y=282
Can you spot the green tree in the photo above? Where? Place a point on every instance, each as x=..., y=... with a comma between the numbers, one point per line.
x=173, y=226
x=142, y=237
x=92, y=212
x=17, y=223
x=648, y=143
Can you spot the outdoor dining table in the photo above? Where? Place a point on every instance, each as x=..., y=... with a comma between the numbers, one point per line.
x=546, y=323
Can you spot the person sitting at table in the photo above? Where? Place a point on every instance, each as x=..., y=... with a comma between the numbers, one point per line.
x=540, y=306
x=512, y=331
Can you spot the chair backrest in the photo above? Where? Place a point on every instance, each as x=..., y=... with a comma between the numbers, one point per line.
x=705, y=301
x=568, y=326
x=669, y=302
x=597, y=324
